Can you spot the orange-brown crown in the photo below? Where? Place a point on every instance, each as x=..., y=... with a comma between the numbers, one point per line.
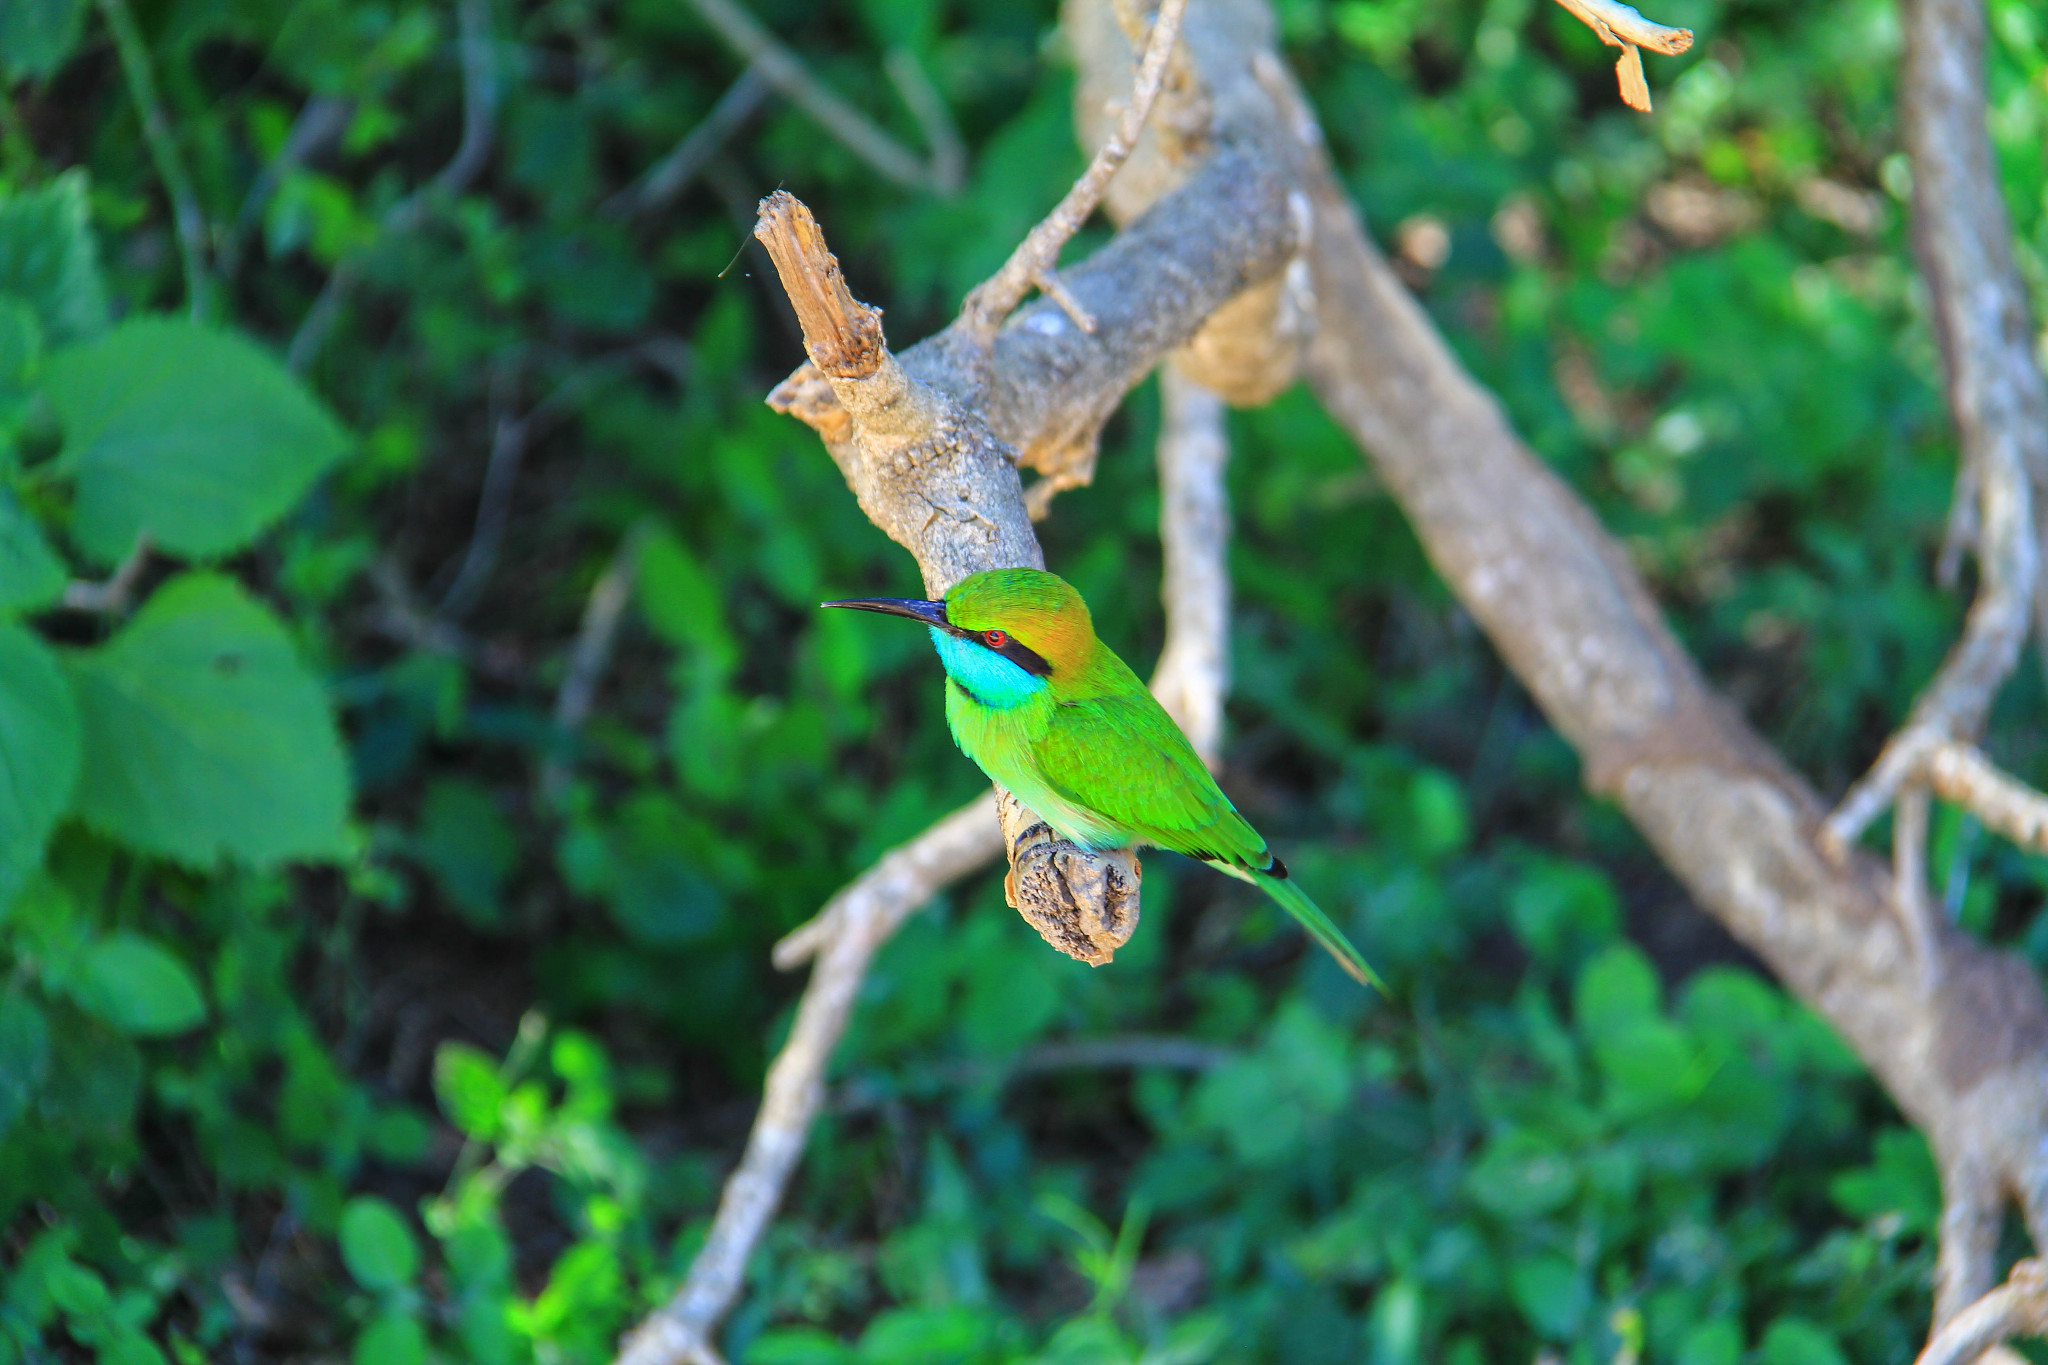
x=1041, y=611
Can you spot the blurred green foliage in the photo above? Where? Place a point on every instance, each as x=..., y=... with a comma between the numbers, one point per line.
x=354, y=1008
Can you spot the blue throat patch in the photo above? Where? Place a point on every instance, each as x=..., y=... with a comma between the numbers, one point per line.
x=986, y=675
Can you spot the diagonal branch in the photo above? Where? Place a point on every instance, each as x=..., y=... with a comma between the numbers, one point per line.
x=187, y=218
x=859, y=134
x=2017, y=1308
x=668, y=177
x=480, y=97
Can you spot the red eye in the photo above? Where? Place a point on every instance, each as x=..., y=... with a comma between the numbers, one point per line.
x=995, y=639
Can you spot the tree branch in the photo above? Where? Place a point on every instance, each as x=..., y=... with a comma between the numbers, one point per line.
x=926, y=442
x=1618, y=25
x=843, y=938
x=668, y=177
x=187, y=219
x=111, y=596
x=1193, y=673
x=1995, y=390
x=1032, y=264
x=480, y=95
x=857, y=132
x=589, y=656
x=2017, y=1308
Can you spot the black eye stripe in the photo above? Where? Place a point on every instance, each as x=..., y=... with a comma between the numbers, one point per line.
x=1029, y=660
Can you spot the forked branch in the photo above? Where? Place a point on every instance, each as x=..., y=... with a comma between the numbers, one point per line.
x=2017, y=1308
x=1032, y=264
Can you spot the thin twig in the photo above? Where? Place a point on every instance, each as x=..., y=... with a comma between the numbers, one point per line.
x=1909, y=879
x=510, y=439
x=934, y=119
x=668, y=177
x=323, y=119
x=1032, y=264
x=856, y=131
x=590, y=655
x=861, y=918
x=493, y=509
x=400, y=616
x=480, y=95
x=186, y=217
x=110, y=596
x=1618, y=25
x=2017, y=1308
x=1193, y=673
x=1961, y=774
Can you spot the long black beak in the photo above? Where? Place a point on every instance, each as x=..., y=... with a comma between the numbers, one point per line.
x=931, y=613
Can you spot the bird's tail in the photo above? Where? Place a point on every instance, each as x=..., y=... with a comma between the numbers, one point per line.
x=1275, y=882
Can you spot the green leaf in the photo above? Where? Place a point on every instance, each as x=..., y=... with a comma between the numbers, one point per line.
x=24, y=1055
x=31, y=575
x=139, y=988
x=47, y=256
x=196, y=438
x=37, y=35
x=376, y=1245
x=205, y=737
x=39, y=753
x=471, y=1093
x=392, y=1339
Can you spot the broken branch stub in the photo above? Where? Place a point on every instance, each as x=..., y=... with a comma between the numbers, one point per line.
x=927, y=470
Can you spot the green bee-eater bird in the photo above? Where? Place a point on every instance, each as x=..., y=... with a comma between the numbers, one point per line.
x=1049, y=711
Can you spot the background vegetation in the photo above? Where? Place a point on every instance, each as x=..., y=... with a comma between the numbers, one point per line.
x=356, y=1006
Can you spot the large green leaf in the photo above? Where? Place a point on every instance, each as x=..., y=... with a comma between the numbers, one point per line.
x=195, y=438
x=47, y=256
x=31, y=575
x=204, y=735
x=37, y=35
x=38, y=753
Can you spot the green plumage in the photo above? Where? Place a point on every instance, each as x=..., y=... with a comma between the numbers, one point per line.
x=1048, y=710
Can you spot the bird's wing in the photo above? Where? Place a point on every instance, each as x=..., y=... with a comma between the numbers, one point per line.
x=1124, y=758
